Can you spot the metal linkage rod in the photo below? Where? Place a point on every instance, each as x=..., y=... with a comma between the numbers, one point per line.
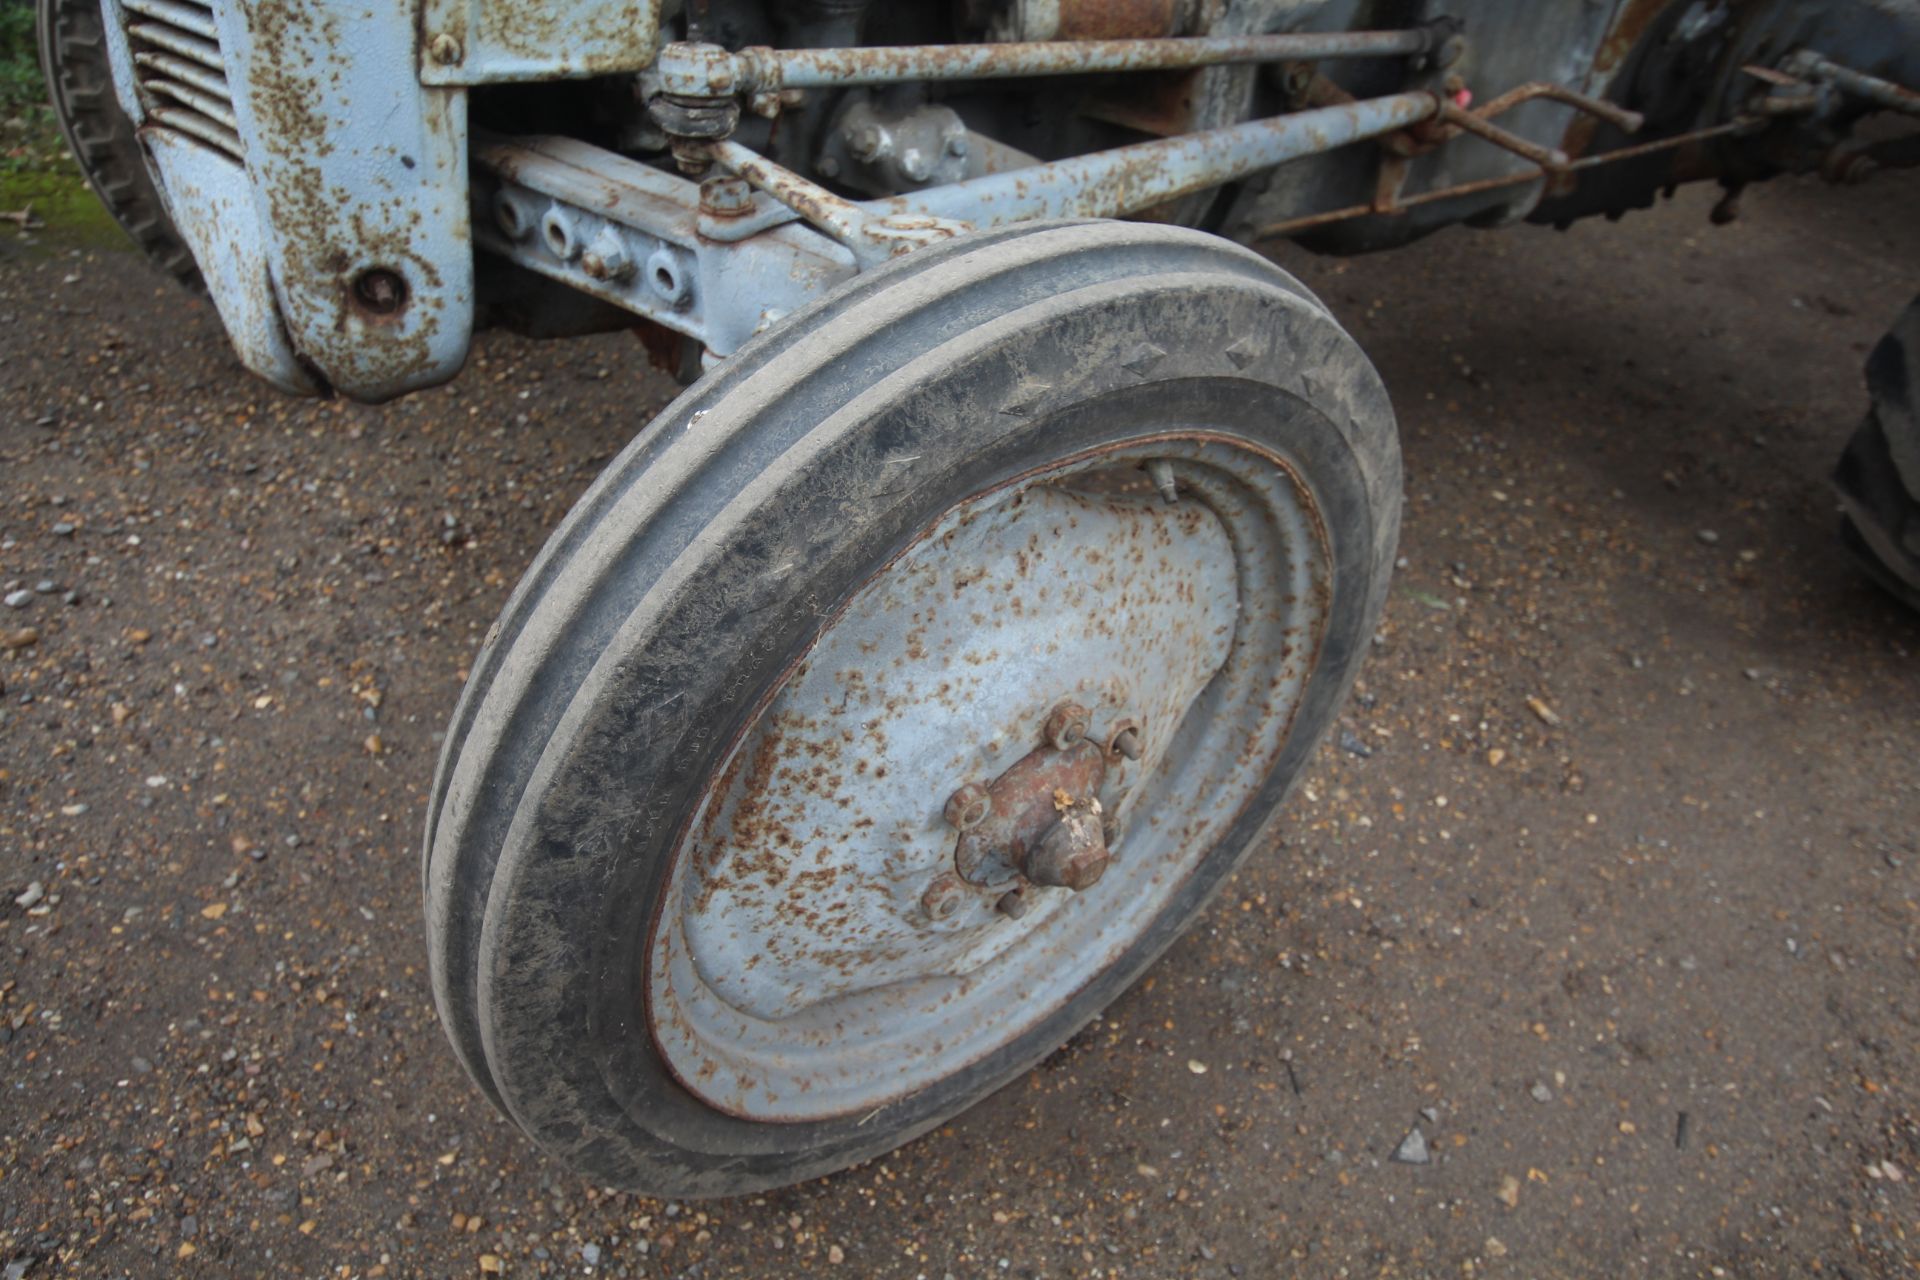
x=699, y=70
x=1112, y=184
x=1104, y=184
x=1882, y=93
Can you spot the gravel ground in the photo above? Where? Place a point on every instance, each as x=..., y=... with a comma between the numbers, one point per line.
x=1607, y=887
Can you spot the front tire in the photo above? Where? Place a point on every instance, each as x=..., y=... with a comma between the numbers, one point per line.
x=692, y=792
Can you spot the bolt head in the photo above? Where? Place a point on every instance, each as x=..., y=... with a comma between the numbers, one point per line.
x=914, y=164
x=444, y=49
x=1127, y=742
x=968, y=807
x=1066, y=725
x=942, y=898
x=1012, y=904
x=725, y=197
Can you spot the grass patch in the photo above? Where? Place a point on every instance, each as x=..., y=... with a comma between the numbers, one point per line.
x=37, y=172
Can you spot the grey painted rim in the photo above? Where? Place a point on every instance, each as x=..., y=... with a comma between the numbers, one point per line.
x=796, y=972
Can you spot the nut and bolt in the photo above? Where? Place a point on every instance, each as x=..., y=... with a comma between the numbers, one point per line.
x=380, y=291
x=957, y=145
x=1066, y=725
x=968, y=807
x=444, y=49
x=1127, y=742
x=606, y=259
x=913, y=163
x=725, y=197
x=943, y=897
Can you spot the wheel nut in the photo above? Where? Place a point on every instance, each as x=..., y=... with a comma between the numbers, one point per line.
x=968, y=807
x=1066, y=725
x=942, y=897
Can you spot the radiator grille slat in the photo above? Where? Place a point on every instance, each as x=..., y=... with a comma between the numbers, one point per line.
x=161, y=36
x=180, y=71
x=197, y=18
x=211, y=84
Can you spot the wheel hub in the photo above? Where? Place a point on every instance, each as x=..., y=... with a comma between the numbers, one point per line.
x=992, y=735
x=1042, y=818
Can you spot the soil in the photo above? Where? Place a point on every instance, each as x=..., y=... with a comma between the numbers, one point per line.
x=1608, y=885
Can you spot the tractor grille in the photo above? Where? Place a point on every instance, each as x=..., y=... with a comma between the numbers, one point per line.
x=182, y=77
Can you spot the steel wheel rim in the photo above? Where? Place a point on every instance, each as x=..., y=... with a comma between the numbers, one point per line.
x=770, y=1010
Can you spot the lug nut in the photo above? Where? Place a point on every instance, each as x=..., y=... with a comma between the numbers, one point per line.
x=1066, y=725
x=942, y=898
x=968, y=807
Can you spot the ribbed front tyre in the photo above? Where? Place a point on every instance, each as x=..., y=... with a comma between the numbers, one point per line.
x=898, y=695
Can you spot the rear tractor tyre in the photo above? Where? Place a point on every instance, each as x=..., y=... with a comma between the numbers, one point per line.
x=1879, y=474
x=898, y=695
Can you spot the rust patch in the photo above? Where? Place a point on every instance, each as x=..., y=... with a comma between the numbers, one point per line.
x=1118, y=19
